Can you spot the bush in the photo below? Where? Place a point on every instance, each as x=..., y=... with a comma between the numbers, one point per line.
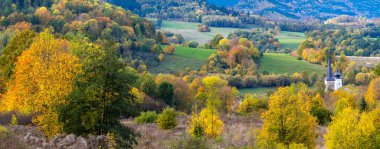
x=147, y=117
x=167, y=119
x=3, y=132
x=203, y=28
x=251, y=103
x=14, y=120
x=322, y=114
x=193, y=44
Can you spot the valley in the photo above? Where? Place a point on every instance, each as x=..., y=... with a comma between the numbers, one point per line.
x=190, y=74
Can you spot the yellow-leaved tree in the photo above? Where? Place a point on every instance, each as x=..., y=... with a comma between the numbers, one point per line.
x=44, y=76
x=206, y=123
x=373, y=93
x=288, y=120
x=351, y=130
x=218, y=96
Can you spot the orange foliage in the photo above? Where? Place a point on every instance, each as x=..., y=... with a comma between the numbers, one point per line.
x=44, y=76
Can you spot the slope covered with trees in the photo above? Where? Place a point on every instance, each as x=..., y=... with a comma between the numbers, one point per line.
x=317, y=9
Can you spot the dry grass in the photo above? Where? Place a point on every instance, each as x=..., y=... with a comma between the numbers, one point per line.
x=365, y=61
x=238, y=132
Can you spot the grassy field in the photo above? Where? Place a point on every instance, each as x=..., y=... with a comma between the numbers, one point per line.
x=183, y=58
x=260, y=90
x=291, y=40
x=189, y=31
x=283, y=63
x=365, y=61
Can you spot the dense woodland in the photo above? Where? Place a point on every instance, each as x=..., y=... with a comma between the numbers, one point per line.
x=82, y=67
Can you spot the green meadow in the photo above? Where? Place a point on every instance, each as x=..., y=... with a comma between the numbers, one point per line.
x=183, y=57
x=291, y=40
x=189, y=31
x=284, y=63
x=259, y=90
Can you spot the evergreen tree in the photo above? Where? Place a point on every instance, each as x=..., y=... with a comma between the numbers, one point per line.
x=166, y=93
x=363, y=106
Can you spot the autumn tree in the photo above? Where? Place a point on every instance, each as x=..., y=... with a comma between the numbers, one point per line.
x=218, y=94
x=288, y=120
x=183, y=97
x=44, y=76
x=372, y=96
x=8, y=59
x=161, y=38
x=43, y=14
x=170, y=49
x=207, y=122
x=101, y=96
x=350, y=129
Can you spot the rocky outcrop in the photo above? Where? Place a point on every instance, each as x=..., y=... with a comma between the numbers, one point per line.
x=35, y=139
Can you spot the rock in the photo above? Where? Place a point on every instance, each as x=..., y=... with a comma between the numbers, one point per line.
x=79, y=144
x=26, y=138
x=70, y=138
x=67, y=141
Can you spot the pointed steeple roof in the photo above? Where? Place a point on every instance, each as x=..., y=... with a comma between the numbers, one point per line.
x=329, y=73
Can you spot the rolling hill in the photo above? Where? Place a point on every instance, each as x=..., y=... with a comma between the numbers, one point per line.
x=296, y=9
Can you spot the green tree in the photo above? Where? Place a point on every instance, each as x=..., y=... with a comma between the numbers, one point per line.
x=377, y=69
x=13, y=50
x=148, y=85
x=167, y=119
x=166, y=92
x=100, y=97
x=363, y=106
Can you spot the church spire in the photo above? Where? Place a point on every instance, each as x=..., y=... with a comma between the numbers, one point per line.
x=329, y=74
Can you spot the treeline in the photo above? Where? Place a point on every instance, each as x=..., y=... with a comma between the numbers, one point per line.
x=221, y=21
x=234, y=56
x=264, y=40
x=10, y=6
x=349, y=42
x=98, y=21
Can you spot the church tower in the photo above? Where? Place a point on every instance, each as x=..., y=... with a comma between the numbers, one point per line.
x=329, y=79
x=333, y=81
x=338, y=80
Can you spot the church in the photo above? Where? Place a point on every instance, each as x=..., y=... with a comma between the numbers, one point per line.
x=333, y=81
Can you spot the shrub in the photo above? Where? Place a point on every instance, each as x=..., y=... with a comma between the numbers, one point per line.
x=203, y=28
x=322, y=114
x=167, y=119
x=170, y=49
x=251, y=103
x=147, y=117
x=193, y=44
x=14, y=120
x=3, y=132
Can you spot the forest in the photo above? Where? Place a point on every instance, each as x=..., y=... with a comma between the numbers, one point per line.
x=186, y=74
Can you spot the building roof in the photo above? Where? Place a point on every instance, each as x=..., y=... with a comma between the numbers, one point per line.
x=337, y=74
x=329, y=74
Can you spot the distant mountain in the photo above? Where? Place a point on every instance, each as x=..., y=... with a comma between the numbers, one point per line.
x=224, y=3
x=274, y=10
x=320, y=9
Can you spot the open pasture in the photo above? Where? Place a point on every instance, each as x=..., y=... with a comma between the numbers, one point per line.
x=284, y=63
x=189, y=31
x=183, y=58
